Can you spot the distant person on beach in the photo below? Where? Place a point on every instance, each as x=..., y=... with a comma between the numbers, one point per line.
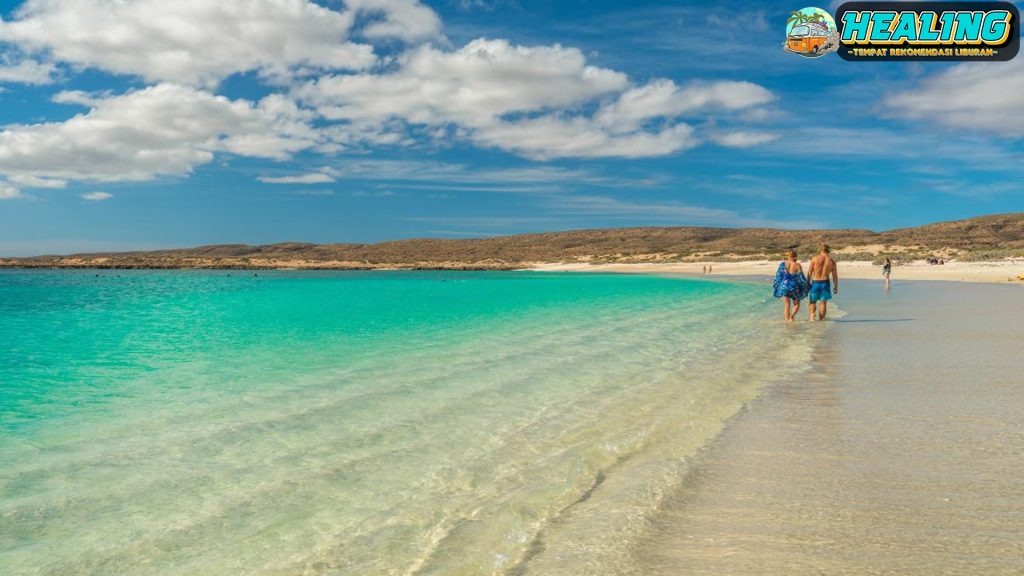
x=790, y=285
x=824, y=281
x=886, y=271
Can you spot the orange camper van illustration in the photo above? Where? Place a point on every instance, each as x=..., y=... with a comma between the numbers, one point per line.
x=807, y=38
x=811, y=32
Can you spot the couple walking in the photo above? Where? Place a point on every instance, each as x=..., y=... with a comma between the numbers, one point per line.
x=792, y=286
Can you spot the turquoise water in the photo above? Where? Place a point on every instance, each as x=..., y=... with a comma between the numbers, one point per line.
x=359, y=422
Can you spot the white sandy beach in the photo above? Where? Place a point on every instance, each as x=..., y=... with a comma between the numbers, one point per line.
x=896, y=455
x=991, y=272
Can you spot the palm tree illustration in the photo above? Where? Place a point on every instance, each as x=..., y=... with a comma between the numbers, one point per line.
x=798, y=18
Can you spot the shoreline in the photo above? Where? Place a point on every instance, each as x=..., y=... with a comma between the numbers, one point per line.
x=983, y=271
x=896, y=455
x=989, y=272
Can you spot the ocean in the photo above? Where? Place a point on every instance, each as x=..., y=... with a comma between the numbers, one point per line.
x=215, y=422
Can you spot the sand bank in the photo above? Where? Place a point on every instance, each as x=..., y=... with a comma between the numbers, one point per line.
x=995, y=272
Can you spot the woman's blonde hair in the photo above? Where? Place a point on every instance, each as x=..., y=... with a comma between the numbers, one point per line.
x=790, y=254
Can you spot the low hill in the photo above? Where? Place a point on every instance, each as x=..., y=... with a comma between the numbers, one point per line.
x=976, y=238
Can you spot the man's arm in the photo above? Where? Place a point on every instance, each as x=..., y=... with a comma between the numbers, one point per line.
x=835, y=277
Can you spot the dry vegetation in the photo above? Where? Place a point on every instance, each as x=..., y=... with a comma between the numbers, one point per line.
x=987, y=237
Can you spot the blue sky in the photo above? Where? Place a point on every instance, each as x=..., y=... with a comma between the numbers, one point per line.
x=144, y=124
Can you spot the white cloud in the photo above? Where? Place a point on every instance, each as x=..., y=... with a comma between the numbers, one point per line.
x=542, y=102
x=663, y=98
x=983, y=97
x=744, y=139
x=200, y=42
x=528, y=100
x=471, y=86
x=488, y=5
x=403, y=19
x=79, y=98
x=549, y=137
x=161, y=130
x=97, y=196
x=26, y=71
x=364, y=133
x=36, y=182
x=311, y=178
x=10, y=193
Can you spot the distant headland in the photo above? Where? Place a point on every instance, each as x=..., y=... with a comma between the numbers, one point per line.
x=993, y=237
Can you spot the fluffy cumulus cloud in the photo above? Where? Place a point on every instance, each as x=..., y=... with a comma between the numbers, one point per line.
x=26, y=71
x=330, y=90
x=977, y=96
x=405, y=20
x=663, y=98
x=527, y=100
x=471, y=86
x=164, y=129
x=200, y=42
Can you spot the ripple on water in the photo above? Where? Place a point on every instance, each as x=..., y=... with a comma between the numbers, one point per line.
x=361, y=423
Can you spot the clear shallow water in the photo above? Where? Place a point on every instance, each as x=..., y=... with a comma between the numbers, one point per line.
x=360, y=423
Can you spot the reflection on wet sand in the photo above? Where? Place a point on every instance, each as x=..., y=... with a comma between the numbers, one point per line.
x=900, y=456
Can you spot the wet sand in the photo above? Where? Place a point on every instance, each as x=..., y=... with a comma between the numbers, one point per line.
x=999, y=272
x=903, y=455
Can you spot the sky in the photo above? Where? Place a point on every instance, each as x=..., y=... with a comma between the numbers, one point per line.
x=138, y=124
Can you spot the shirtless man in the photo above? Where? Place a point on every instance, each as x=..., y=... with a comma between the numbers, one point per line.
x=823, y=268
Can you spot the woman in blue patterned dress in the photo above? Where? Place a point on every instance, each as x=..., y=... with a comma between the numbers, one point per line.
x=791, y=285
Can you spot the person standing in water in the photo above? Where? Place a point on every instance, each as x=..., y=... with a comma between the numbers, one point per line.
x=790, y=285
x=886, y=270
x=824, y=281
